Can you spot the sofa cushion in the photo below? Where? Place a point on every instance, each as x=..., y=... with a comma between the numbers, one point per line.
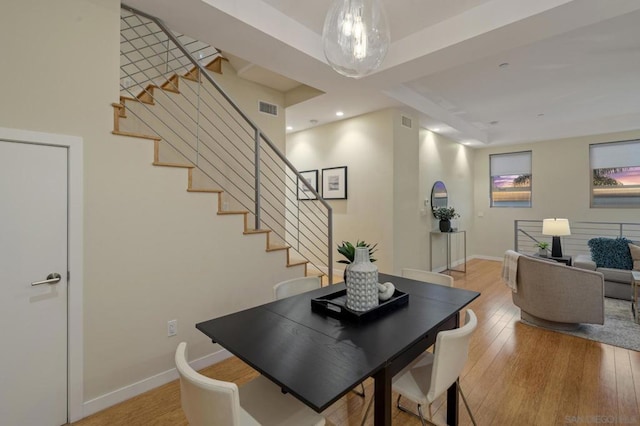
x=616, y=275
x=583, y=261
x=611, y=253
x=635, y=255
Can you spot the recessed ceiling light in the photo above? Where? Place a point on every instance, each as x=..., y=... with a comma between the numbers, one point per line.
x=541, y=115
x=504, y=65
x=289, y=128
x=313, y=121
x=339, y=113
x=494, y=122
x=436, y=129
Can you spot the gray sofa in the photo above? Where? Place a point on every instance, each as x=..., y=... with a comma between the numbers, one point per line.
x=553, y=295
x=617, y=282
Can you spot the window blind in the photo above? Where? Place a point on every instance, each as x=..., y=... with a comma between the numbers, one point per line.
x=515, y=163
x=615, y=154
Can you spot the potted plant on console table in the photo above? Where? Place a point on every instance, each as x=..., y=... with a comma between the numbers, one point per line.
x=445, y=214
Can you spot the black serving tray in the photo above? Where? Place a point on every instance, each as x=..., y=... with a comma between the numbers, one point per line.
x=335, y=305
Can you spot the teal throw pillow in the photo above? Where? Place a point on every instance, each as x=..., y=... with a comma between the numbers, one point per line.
x=611, y=253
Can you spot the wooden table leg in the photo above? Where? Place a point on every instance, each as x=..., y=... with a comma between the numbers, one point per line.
x=382, y=398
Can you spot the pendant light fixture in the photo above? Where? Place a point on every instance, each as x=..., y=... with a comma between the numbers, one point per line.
x=355, y=36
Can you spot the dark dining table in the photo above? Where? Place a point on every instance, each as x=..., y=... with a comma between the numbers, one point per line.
x=318, y=358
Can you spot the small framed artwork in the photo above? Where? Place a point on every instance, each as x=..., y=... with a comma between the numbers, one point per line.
x=304, y=193
x=334, y=183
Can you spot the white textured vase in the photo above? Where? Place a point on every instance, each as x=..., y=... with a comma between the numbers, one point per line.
x=362, y=282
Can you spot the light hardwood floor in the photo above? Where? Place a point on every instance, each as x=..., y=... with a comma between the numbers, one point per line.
x=516, y=375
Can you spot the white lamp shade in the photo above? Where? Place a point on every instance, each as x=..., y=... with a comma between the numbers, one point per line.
x=556, y=227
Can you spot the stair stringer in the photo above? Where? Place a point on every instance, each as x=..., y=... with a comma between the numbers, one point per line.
x=168, y=114
x=225, y=154
x=243, y=216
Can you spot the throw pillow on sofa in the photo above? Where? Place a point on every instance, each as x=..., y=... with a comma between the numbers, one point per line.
x=635, y=255
x=611, y=253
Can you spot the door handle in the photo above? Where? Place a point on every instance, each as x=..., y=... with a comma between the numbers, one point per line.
x=52, y=278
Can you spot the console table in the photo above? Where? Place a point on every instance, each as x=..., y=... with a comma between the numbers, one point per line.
x=448, y=236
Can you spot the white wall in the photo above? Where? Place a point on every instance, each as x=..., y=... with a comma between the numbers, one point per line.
x=391, y=172
x=441, y=159
x=406, y=199
x=153, y=252
x=560, y=186
x=247, y=95
x=365, y=145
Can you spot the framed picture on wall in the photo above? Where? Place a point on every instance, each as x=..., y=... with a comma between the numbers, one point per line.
x=334, y=183
x=311, y=176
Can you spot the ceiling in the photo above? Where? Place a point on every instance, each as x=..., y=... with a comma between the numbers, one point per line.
x=482, y=72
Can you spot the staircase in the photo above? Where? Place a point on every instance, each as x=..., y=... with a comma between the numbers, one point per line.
x=170, y=97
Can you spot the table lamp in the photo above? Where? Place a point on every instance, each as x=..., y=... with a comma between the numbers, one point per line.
x=556, y=227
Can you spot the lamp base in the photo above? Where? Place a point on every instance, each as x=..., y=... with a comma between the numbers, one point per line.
x=556, y=247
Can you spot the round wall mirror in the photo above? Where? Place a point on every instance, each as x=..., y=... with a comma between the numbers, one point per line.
x=439, y=195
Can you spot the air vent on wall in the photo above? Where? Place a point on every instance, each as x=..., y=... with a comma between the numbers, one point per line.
x=406, y=122
x=268, y=108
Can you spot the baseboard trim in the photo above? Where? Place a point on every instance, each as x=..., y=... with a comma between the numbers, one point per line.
x=115, y=397
x=479, y=256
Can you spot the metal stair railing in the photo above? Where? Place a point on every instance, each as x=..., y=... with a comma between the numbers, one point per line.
x=168, y=94
x=528, y=232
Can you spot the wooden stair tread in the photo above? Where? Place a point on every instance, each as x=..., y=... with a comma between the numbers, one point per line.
x=277, y=248
x=193, y=74
x=146, y=96
x=171, y=85
x=122, y=111
x=256, y=231
x=181, y=165
x=216, y=64
x=215, y=191
x=128, y=98
x=233, y=212
x=136, y=135
x=297, y=263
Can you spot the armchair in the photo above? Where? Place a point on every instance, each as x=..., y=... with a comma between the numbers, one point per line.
x=553, y=295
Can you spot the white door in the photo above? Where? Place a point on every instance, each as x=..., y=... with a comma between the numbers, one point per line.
x=33, y=245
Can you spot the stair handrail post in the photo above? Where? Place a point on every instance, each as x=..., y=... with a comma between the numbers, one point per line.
x=257, y=177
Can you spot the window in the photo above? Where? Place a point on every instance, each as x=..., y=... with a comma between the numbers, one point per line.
x=510, y=179
x=615, y=174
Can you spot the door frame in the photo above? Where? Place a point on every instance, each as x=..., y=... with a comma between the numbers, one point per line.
x=75, y=205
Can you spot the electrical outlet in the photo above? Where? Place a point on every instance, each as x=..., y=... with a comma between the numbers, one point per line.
x=172, y=328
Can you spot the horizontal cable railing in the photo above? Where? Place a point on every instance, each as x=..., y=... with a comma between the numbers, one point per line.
x=167, y=93
x=528, y=232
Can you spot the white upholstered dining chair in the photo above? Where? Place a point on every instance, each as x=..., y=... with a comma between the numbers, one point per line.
x=211, y=402
x=427, y=276
x=431, y=374
x=295, y=286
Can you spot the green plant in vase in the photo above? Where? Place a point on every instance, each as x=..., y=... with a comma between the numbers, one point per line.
x=348, y=250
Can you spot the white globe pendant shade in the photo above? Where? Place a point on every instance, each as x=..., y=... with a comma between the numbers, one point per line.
x=355, y=36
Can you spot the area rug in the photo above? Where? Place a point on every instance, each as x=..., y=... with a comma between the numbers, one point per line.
x=619, y=328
